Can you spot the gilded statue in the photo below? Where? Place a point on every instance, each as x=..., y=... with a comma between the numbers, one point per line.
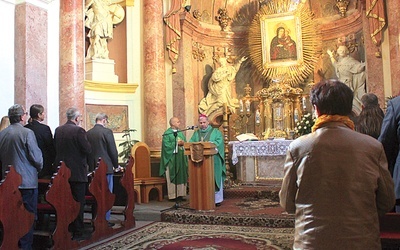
x=351, y=72
x=219, y=88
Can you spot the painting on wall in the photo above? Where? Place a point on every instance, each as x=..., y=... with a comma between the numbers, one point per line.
x=281, y=40
x=117, y=116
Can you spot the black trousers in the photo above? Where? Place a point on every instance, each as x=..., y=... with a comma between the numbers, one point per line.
x=78, y=190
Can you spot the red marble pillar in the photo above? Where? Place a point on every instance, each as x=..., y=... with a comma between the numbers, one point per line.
x=72, y=88
x=393, y=16
x=30, y=55
x=154, y=86
x=374, y=65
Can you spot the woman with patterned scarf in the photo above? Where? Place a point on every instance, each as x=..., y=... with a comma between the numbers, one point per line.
x=336, y=180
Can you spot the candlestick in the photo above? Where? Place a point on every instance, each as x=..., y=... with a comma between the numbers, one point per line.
x=258, y=117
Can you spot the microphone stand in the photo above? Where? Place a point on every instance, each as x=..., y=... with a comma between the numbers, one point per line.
x=175, y=132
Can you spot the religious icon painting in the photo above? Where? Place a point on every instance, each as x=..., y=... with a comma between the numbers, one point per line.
x=281, y=40
x=284, y=42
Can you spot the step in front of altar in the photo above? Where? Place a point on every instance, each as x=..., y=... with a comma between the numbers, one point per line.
x=242, y=206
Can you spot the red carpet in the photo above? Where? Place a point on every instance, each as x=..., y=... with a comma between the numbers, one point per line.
x=162, y=235
x=212, y=243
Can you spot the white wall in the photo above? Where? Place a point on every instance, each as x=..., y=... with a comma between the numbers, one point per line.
x=135, y=65
x=7, y=18
x=53, y=62
x=7, y=56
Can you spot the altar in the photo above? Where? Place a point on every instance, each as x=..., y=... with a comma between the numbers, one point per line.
x=258, y=161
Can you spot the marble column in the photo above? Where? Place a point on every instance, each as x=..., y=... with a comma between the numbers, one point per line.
x=71, y=57
x=393, y=16
x=373, y=64
x=154, y=85
x=30, y=55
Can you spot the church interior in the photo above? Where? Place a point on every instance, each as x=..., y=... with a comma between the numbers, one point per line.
x=246, y=64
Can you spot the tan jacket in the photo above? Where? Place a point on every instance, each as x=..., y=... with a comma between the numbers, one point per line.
x=336, y=182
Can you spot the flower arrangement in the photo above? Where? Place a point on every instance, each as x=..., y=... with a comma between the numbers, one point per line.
x=304, y=126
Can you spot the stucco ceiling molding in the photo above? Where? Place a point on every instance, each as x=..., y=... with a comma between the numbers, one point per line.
x=211, y=35
x=342, y=26
x=128, y=88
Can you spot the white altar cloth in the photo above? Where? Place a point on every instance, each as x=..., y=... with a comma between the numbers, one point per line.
x=258, y=148
x=259, y=160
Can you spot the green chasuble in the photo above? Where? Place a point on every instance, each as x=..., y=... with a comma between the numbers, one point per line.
x=213, y=135
x=171, y=160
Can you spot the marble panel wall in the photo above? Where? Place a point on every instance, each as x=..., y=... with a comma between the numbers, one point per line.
x=30, y=55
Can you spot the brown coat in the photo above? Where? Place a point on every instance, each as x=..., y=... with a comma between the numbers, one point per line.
x=336, y=182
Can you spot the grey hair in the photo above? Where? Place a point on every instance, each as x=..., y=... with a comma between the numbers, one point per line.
x=101, y=116
x=15, y=112
x=72, y=114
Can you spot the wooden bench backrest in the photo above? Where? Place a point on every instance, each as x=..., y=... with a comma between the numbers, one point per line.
x=98, y=187
x=12, y=211
x=60, y=197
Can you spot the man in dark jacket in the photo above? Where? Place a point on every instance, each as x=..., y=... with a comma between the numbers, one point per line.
x=390, y=138
x=44, y=139
x=73, y=147
x=103, y=145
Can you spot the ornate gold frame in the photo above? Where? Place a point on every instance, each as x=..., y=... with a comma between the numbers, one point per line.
x=117, y=116
x=307, y=36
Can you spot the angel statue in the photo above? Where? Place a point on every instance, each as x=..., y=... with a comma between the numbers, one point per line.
x=219, y=88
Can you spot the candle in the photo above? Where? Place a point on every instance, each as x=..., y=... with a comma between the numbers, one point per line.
x=304, y=102
x=258, y=117
x=241, y=106
x=247, y=105
x=296, y=115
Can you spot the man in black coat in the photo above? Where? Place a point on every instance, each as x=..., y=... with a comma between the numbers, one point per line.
x=44, y=138
x=103, y=145
x=390, y=138
x=73, y=148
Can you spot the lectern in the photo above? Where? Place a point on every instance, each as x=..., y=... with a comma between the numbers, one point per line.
x=201, y=174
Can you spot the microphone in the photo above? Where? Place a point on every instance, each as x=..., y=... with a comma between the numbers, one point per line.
x=191, y=127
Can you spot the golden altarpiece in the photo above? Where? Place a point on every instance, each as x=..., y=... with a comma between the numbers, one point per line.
x=273, y=110
x=279, y=107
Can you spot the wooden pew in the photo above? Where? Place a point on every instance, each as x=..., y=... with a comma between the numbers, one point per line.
x=16, y=220
x=104, y=199
x=59, y=197
x=127, y=182
x=390, y=230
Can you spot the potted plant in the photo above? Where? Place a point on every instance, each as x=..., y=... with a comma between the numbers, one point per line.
x=127, y=144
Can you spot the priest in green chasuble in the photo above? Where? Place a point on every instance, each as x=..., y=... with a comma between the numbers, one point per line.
x=174, y=163
x=210, y=134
